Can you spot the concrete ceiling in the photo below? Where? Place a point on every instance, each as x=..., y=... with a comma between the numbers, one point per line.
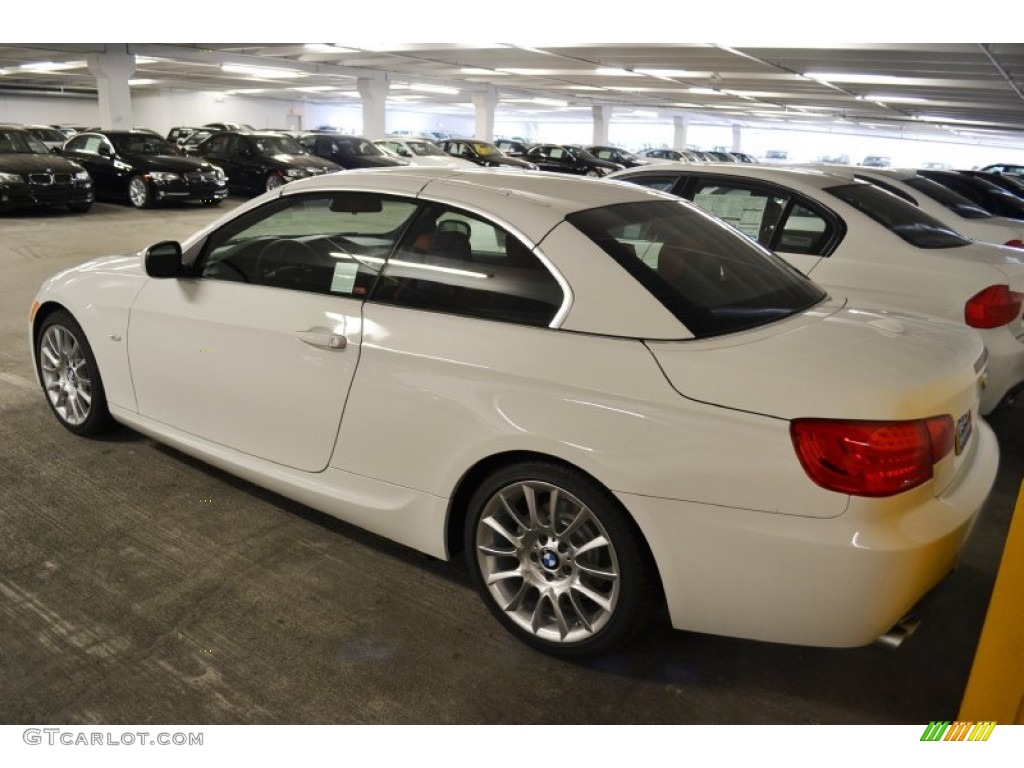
x=974, y=87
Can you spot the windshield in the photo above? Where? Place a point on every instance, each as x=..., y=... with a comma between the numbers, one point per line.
x=268, y=146
x=20, y=142
x=486, y=150
x=142, y=144
x=425, y=148
x=957, y=203
x=48, y=134
x=358, y=148
x=898, y=216
x=710, y=277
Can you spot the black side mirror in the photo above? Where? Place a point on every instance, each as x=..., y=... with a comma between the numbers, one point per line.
x=104, y=150
x=164, y=259
x=54, y=150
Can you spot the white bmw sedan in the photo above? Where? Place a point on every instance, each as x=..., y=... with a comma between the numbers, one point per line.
x=865, y=243
x=606, y=398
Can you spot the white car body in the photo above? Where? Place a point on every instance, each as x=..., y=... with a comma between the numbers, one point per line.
x=996, y=230
x=386, y=413
x=874, y=267
x=410, y=150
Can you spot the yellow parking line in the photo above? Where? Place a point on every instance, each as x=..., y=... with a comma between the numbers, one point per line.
x=995, y=689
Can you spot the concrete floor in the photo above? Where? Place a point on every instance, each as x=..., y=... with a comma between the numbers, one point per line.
x=138, y=585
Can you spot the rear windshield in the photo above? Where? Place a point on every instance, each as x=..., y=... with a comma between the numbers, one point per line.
x=955, y=202
x=714, y=280
x=899, y=217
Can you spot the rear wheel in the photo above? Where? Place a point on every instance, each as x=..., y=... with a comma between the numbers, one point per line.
x=70, y=376
x=557, y=560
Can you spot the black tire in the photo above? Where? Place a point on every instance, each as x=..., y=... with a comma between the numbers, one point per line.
x=139, y=194
x=60, y=339
x=79, y=207
x=559, y=596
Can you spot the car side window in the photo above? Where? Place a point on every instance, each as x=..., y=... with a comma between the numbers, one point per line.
x=455, y=262
x=330, y=243
x=753, y=211
x=803, y=231
x=218, y=144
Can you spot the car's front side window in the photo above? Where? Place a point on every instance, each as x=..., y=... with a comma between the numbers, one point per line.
x=332, y=243
x=456, y=262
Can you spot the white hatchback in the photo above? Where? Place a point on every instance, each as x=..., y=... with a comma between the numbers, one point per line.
x=608, y=399
x=871, y=246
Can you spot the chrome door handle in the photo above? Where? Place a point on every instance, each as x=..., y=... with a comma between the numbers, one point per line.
x=323, y=340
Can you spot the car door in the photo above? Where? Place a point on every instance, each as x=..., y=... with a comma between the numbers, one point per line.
x=255, y=350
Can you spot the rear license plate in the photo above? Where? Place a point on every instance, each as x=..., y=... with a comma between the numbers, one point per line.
x=964, y=425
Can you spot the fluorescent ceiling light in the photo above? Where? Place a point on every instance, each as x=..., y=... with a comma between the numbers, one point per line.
x=665, y=72
x=236, y=91
x=615, y=72
x=850, y=77
x=585, y=88
x=4, y=72
x=428, y=88
x=312, y=88
x=52, y=66
x=549, y=102
x=895, y=99
x=940, y=119
x=707, y=91
x=328, y=48
x=265, y=72
x=142, y=81
x=529, y=71
x=481, y=71
x=683, y=104
x=643, y=113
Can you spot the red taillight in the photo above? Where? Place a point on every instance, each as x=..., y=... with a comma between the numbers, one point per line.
x=871, y=458
x=1015, y=243
x=995, y=306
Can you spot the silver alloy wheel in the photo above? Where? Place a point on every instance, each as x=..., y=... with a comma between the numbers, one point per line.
x=138, y=193
x=547, y=561
x=273, y=181
x=65, y=373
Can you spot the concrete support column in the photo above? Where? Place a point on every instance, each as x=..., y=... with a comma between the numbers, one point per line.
x=737, y=135
x=679, y=125
x=485, y=103
x=374, y=92
x=112, y=71
x=602, y=118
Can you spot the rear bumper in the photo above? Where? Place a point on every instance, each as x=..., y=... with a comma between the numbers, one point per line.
x=835, y=582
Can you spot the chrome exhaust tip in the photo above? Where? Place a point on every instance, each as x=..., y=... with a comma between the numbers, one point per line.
x=900, y=631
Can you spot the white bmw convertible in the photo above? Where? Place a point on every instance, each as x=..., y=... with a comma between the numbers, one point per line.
x=607, y=399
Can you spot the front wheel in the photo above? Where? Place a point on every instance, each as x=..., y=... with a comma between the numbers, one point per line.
x=70, y=376
x=274, y=181
x=138, y=192
x=557, y=560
